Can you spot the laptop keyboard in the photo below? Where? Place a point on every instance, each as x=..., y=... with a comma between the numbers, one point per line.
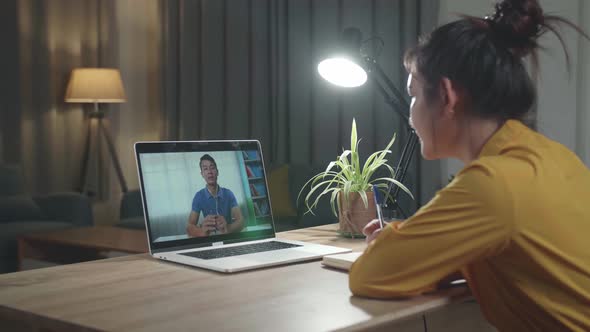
x=240, y=250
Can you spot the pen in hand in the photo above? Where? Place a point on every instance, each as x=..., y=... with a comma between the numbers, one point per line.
x=377, y=199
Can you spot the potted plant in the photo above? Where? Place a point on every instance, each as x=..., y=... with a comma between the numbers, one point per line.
x=349, y=186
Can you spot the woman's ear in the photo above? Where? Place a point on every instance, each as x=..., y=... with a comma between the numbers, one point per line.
x=449, y=97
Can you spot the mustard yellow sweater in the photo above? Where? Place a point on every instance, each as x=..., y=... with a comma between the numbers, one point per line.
x=515, y=222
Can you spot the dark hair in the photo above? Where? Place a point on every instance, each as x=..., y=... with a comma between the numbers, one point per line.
x=483, y=57
x=209, y=158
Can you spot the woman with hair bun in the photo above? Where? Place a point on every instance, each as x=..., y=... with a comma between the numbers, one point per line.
x=515, y=220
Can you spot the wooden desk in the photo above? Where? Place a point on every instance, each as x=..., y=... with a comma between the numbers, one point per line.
x=80, y=244
x=139, y=293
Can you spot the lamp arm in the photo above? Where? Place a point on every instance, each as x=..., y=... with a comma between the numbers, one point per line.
x=399, y=105
x=404, y=162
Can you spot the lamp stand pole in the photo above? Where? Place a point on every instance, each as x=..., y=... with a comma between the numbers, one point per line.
x=97, y=114
x=113, y=153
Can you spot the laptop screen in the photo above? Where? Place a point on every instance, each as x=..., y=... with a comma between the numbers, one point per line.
x=203, y=192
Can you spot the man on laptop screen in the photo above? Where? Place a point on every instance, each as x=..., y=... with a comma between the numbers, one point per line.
x=238, y=204
x=217, y=204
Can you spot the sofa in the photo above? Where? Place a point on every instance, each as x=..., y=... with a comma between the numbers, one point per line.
x=21, y=213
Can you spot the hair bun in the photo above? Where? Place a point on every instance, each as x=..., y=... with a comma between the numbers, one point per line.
x=517, y=24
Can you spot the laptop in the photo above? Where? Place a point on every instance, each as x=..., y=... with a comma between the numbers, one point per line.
x=207, y=204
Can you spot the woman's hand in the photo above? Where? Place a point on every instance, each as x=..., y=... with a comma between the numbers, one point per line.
x=371, y=230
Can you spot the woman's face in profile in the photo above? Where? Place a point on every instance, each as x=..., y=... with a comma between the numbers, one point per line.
x=430, y=119
x=420, y=116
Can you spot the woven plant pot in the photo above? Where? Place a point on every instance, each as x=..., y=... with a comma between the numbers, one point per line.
x=353, y=216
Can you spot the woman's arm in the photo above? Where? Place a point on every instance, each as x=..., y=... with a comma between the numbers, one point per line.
x=468, y=220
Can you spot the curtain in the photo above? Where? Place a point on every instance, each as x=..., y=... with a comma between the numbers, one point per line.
x=247, y=69
x=41, y=132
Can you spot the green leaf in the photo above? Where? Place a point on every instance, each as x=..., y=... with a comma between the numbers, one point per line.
x=353, y=135
x=330, y=165
x=354, y=160
x=333, y=200
x=397, y=183
x=363, y=195
x=344, y=155
x=346, y=191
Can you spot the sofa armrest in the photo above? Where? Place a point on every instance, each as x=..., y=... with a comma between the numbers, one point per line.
x=70, y=207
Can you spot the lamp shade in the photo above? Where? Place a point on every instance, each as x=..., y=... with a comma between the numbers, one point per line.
x=95, y=85
x=342, y=72
x=344, y=69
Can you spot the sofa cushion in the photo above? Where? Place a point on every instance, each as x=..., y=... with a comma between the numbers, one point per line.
x=19, y=207
x=278, y=185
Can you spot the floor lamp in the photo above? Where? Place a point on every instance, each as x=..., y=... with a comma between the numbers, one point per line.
x=97, y=85
x=350, y=68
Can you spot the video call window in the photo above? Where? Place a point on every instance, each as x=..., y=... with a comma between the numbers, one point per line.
x=173, y=180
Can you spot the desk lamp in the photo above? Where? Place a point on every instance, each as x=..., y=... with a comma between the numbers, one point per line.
x=350, y=68
x=97, y=85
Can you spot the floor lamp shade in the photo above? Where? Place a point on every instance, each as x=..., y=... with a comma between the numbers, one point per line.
x=95, y=85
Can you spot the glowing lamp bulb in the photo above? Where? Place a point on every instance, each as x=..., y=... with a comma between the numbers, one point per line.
x=342, y=72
